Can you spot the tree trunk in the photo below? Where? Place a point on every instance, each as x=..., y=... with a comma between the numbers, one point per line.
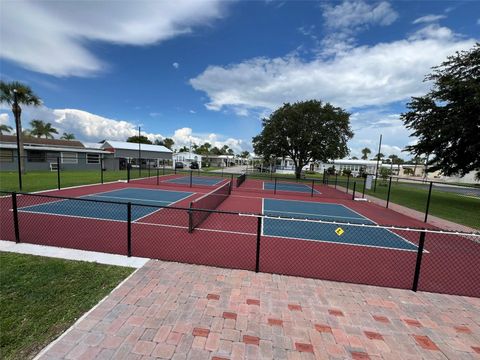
x=298, y=171
x=17, y=111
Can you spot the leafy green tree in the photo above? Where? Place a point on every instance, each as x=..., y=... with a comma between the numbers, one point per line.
x=68, y=136
x=41, y=128
x=139, y=139
x=244, y=154
x=24, y=96
x=5, y=128
x=354, y=158
x=305, y=131
x=184, y=149
x=216, y=151
x=384, y=174
x=365, y=152
x=379, y=156
x=446, y=120
x=393, y=160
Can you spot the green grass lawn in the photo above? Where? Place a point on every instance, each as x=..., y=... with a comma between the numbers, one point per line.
x=45, y=180
x=41, y=297
x=450, y=206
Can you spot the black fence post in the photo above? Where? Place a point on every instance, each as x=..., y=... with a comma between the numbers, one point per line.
x=353, y=191
x=148, y=166
x=313, y=186
x=101, y=169
x=389, y=189
x=128, y=171
x=190, y=219
x=163, y=167
x=222, y=172
x=129, y=229
x=324, y=176
x=58, y=173
x=275, y=186
x=259, y=232
x=348, y=181
x=428, y=201
x=364, y=186
x=418, y=264
x=336, y=180
x=191, y=178
x=15, y=217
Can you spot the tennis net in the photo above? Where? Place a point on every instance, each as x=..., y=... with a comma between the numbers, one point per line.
x=241, y=179
x=209, y=201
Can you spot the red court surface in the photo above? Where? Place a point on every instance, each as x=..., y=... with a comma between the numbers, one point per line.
x=450, y=263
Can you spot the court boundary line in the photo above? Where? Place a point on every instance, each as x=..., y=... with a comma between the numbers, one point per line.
x=193, y=183
x=408, y=241
x=326, y=222
x=156, y=211
x=291, y=212
x=307, y=186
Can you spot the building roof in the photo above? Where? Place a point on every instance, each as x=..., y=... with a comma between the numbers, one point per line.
x=54, y=148
x=41, y=141
x=123, y=145
x=183, y=153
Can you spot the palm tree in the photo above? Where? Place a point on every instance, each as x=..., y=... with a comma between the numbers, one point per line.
x=68, y=136
x=14, y=94
x=366, y=151
x=393, y=160
x=40, y=128
x=5, y=128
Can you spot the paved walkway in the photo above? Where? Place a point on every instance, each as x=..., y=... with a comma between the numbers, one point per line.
x=170, y=310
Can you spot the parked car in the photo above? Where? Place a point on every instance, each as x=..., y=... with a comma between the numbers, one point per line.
x=194, y=165
x=179, y=165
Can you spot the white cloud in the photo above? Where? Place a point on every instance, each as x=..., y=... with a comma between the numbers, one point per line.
x=358, y=14
x=4, y=119
x=52, y=37
x=176, y=65
x=186, y=137
x=344, y=21
x=192, y=112
x=364, y=76
x=93, y=128
x=428, y=19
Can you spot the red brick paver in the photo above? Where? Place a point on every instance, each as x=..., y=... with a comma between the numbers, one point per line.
x=180, y=311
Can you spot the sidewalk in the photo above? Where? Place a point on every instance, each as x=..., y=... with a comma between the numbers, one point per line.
x=179, y=311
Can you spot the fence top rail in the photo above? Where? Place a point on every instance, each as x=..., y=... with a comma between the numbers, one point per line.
x=428, y=181
x=257, y=215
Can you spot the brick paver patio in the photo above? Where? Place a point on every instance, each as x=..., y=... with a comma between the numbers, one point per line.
x=180, y=311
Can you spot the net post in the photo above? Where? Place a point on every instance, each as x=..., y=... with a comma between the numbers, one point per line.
x=313, y=185
x=336, y=179
x=323, y=176
x=128, y=172
x=428, y=201
x=353, y=191
x=191, y=178
x=257, y=255
x=389, y=189
x=129, y=229
x=58, y=173
x=418, y=264
x=101, y=169
x=15, y=217
x=158, y=176
x=190, y=219
x=364, y=186
x=348, y=181
x=275, y=186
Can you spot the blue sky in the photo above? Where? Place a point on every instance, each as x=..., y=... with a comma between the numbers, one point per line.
x=209, y=71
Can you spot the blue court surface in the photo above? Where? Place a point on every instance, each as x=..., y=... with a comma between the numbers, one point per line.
x=285, y=186
x=314, y=231
x=196, y=180
x=109, y=211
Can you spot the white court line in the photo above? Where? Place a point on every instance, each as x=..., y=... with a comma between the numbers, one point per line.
x=125, y=198
x=402, y=238
x=335, y=204
x=324, y=215
x=156, y=211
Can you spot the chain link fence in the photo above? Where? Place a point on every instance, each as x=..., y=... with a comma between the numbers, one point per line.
x=393, y=256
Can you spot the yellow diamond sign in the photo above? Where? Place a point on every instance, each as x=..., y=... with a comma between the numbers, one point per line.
x=339, y=231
